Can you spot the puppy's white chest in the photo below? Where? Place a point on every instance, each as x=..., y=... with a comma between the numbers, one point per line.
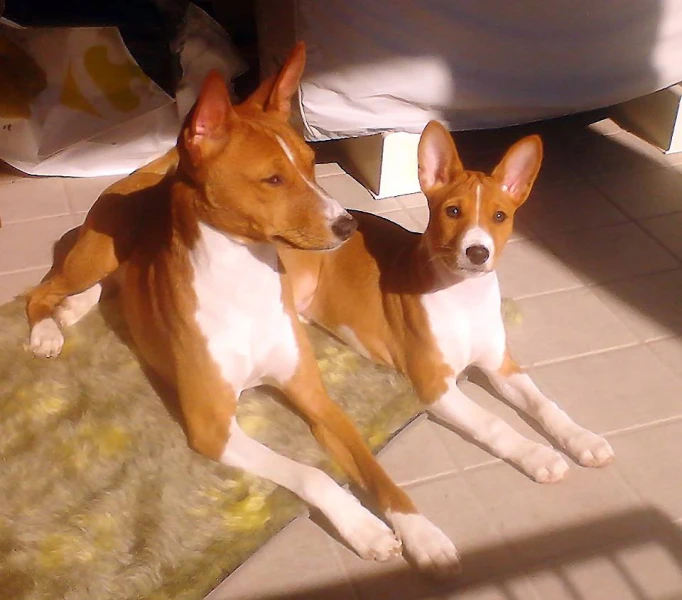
x=240, y=310
x=465, y=320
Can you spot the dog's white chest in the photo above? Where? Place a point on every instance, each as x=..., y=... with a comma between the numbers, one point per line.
x=240, y=310
x=465, y=321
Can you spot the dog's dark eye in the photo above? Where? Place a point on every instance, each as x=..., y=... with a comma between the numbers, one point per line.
x=453, y=211
x=499, y=216
x=273, y=180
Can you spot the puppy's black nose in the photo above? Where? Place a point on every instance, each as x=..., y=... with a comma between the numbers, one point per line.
x=344, y=227
x=477, y=254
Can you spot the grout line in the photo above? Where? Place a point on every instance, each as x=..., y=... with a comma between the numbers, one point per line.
x=325, y=175
x=494, y=460
x=643, y=426
x=658, y=242
x=428, y=478
x=611, y=433
x=570, y=288
x=633, y=219
x=575, y=232
x=334, y=549
x=554, y=361
x=648, y=164
x=33, y=219
x=668, y=367
x=594, y=285
x=25, y=270
x=435, y=477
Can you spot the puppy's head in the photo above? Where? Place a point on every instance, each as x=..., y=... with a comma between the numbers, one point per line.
x=471, y=213
x=254, y=174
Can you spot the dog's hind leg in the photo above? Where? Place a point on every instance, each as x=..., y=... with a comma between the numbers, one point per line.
x=74, y=308
x=90, y=260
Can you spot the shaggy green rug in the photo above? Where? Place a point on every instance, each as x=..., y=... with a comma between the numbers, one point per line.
x=100, y=496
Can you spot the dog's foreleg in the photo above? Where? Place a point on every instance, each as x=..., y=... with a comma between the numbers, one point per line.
x=424, y=544
x=589, y=449
x=209, y=406
x=541, y=463
x=367, y=535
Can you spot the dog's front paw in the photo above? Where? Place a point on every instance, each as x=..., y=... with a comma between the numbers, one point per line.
x=370, y=537
x=426, y=546
x=542, y=464
x=589, y=449
x=46, y=339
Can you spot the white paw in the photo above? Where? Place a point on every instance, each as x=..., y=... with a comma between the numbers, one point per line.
x=425, y=545
x=590, y=449
x=370, y=537
x=541, y=463
x=46, y=339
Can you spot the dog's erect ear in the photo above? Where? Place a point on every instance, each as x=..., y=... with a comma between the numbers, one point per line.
x=275, y=93
x=210, y=115
x=259, y=99
x=437, y=157
x=518, y=169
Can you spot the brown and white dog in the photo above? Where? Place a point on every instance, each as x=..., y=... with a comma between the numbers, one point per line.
x=429, y=305
x=193, y=237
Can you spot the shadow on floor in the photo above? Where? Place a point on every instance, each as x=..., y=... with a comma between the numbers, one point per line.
x=605, y=540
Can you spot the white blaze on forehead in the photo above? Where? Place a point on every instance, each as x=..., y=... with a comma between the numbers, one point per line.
x=478, y=203
x=332, y=209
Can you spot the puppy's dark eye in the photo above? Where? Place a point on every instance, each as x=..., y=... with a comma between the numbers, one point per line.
x=499, y=216
x=273, y=180
x=453, y=211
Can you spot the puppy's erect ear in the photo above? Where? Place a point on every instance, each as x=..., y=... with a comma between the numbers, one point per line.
x=437, y=157
x=210, y=116
x=518, y=169
x=274, y=94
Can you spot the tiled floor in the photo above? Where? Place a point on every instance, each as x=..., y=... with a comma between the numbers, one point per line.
x=595, y=270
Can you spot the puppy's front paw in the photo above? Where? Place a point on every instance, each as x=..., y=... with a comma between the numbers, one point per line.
x=541, y=463
x=46, y=339
x=590, y=449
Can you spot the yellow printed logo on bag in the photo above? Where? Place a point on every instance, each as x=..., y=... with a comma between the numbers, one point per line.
x=113, y=80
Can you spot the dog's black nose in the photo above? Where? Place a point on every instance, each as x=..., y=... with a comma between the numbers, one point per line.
x=477, y=254
x=344, y=227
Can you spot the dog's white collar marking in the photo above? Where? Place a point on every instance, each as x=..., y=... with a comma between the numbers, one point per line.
x=460, y=320
x=240, y=310
x=332, y=209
